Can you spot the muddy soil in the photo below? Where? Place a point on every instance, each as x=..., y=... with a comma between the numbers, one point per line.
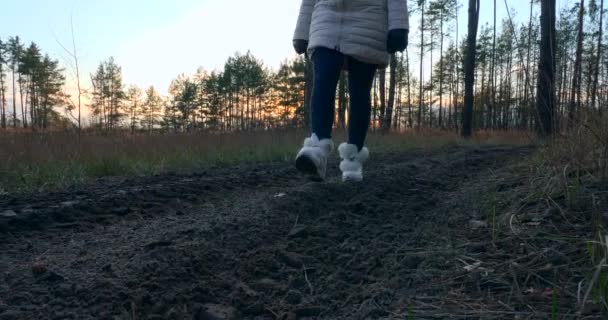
x=258, y=241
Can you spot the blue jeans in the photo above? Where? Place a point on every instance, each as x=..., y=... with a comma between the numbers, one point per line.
x=327, y=65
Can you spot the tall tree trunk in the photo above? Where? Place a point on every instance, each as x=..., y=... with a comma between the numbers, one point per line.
x=45, y=107
x=382, y=80
x=492, y=104
x=484, y=89
x=33, y=98
x=589, y=82
x=457, y=92
x=599, y=57
x=391, y=94
x=469, y=68
x=247, y=112
x=2, y=98
x=29, y=93
x=21, y=103
x=109, y=118
x=431, y=86
x=575, y=96
x=409, y=90
x=420, y=97
x=399, y=107
x=525, y=112
x=546, y=70
x=519, y=80
x=441, y=73
x=14, y=99
x=563, y=85
x=103, y=118
x=509, y=95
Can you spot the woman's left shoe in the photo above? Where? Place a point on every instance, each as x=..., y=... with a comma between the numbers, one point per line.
x=312, y=158
x=352, y=162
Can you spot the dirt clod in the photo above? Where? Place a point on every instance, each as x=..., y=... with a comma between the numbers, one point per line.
x=39, y=268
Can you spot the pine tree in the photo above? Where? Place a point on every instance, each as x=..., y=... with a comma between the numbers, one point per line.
x=50, y=80
x=134, y=106
x=108, y=94
x=29, y=69
x=151, y=109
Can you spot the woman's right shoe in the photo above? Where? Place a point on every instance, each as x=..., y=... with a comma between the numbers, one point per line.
x=312, y=158
x=352, y=162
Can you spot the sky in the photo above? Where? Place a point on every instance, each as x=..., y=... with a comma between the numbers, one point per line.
x=154, y=41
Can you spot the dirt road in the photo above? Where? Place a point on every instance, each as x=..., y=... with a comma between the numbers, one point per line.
x=252, y=242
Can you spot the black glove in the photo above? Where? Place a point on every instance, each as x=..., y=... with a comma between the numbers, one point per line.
x=397, y=40
x=300, y=45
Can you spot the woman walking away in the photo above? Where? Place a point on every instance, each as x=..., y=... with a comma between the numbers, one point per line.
x=357, y=35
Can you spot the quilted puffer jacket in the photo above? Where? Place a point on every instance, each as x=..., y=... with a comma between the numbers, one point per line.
x=356, y=28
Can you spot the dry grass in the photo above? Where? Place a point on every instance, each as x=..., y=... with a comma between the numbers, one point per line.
x=574, y=165
x=42, y=161
x=566, y=191
x=545, y=240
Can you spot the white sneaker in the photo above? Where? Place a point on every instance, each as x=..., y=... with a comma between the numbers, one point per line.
x=312, y=158
x=352, y=162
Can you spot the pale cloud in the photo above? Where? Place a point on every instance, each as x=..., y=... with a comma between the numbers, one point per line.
x=207, y=36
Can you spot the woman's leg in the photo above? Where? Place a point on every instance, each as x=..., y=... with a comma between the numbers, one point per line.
x=327, y=65
x=312, y=158
x=360, y=80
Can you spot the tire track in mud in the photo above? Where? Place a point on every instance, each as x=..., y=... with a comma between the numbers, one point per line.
x=254, y=241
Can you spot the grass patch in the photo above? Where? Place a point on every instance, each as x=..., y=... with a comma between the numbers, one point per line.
x=46, y=161
x=563, y=207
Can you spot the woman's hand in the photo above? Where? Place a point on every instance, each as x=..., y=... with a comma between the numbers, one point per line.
x=397, y=40
x=300, y=46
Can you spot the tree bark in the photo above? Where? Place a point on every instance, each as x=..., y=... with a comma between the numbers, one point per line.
x=2, y=94
x=14, y=99
x=469, y=68
x=409, y=90
x=441, y=73
x=457, y=92
x=391, y=94
x=546, y=70
x=524, y=118
x=22, y=104
x=599, y=57
x=575, y=96
x=382, y=79
x=492, y=111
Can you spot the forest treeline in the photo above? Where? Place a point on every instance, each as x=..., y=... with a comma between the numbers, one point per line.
x=246, y=95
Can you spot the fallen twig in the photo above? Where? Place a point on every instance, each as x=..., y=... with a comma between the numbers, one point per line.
x=596, y=275
x=308, y=281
